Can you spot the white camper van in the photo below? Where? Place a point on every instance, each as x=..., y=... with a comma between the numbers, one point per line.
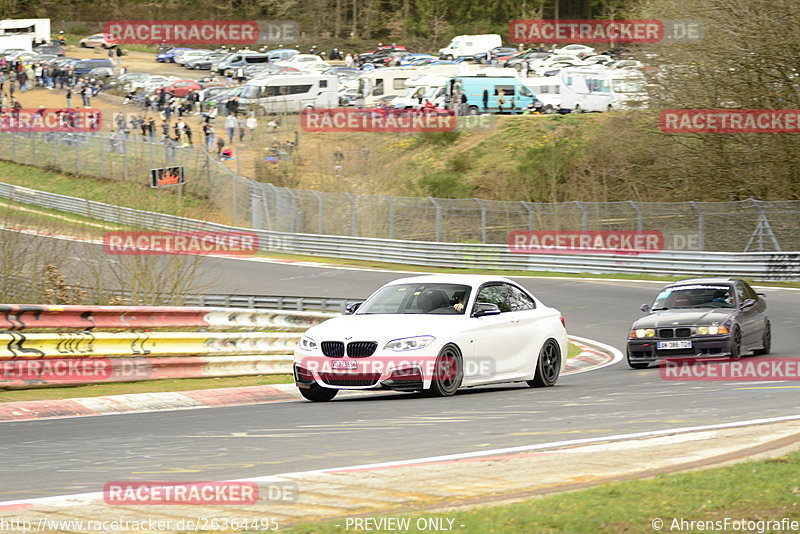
x=432, y=81
x=547, y=89
x=380, y=84
x=289, y=93
x=37, y=29
x=469, y=45
x=601, y=89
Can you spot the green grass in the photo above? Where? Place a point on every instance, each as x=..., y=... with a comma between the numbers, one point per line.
x=766, y=490
x=574, y=350
x=147, y=386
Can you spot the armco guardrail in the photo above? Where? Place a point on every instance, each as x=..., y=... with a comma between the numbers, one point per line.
x=80, y=352
x=757, y=265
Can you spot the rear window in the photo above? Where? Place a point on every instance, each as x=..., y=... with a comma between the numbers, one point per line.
x=508, y=90
x=256, y=59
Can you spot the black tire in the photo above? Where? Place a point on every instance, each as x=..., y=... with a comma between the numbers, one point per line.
x=448, y=372
x=473, y=110
x=83, y=45
x=578, y=109
x=766, y=341
x=449, y=57
x=548, y=109
x=736, y=343
x=636, y=365
x=610, y=108
x=548, y=366
x=317, y=393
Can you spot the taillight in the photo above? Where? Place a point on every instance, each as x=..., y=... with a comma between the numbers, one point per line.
x=563, y=322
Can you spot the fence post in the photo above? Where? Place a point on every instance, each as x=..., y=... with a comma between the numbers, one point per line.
x=483, y=219
x=639, y=221
x=320, y=212
x=354, y=215
x=585, y=216
x=438, y=218
x=294, y=208
x=701, y=223
x=390, y=200
x=531, y=210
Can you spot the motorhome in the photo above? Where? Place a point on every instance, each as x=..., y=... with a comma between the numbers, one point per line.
x=289, y=93
x=16, y=42
x=602, y=89
x=431, y=84
x=37, y=29
x=504, y=94
x=547, y=89
x=379, y=84
x=469, y=45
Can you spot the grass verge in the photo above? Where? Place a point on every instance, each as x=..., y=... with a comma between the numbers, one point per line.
x=750, y=491
x=148, y=386
x=574, y=350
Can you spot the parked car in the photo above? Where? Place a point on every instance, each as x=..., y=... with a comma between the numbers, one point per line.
x=168, y=56
x=49, y=49
x=531, y=56
x=180, y=88
x=701, y=318
x=497, y=51
x=125, y=81
x=182, y=57
x=83, y=66
x=304, y=61
x=100, y=73
x=434, y=334
x=102, y=40
x=204, y=62
x=574, y=50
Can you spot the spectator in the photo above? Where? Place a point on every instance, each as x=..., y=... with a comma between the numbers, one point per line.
x=118, y=54
x=240, y=77
x=252, y=124
x=485, y=99
x=208, y=132
x=69, y=97
x=220, y=146
x=187, y=131
x=230, y=125
x=240, y=125
x=232, y=106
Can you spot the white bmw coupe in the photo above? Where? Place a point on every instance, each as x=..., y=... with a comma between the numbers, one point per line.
x=434, y=334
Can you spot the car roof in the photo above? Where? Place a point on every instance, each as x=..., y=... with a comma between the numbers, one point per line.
x=709, y=280
x=465, y=279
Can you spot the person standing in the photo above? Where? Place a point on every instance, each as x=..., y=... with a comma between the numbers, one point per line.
x=187, y=131
x=208, y=132
x=241, y=126
x=252, y=124
x=485, y=99
x=69, y=97
x=230, y=125
x=118, y=54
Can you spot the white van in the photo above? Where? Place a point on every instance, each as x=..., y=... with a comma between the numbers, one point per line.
x=547, y=89
x=289, y=93
x=421, y=88
x=379, y=84
x=593, y=89
x=469, y=45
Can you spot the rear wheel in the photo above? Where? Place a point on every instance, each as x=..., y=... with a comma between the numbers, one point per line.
x=473, y=110
x=578, y=109
x=317, y=393
x=548, y=109
x=447, y=374
x=766, y=341
x=548, y=366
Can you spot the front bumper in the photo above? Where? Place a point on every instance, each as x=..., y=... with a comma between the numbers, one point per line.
x=646, y=350
x=397, y=372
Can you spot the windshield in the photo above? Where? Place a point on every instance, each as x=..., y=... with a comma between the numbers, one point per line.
x=628, y=86
x=698, y=296
x=438, y=299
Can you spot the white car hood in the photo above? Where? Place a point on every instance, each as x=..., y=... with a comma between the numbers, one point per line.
x=383, y=327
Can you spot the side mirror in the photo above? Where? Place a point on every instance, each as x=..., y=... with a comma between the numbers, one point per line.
x=483, y=309
x=645, y=307
x=351, y=308
x=747, y=303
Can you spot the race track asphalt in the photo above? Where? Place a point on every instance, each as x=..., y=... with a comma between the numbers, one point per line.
x=55, y=457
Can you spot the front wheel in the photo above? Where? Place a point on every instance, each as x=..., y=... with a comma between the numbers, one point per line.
x=736, y=343
x=448, y=373
x=473, y=110
x=317, y=393
x=548, y=109
x=548, y=366
x=766, y=341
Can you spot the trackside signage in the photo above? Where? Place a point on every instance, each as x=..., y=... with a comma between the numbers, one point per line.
x=169, y=243
x=60, y=120
x=585, y=242
x=730, y=121
x=586, y=31
x=184, y=31
x=755, y=370
x=368, y=120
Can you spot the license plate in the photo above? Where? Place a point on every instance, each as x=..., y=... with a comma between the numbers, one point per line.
x=674, y=345
x=345, y=364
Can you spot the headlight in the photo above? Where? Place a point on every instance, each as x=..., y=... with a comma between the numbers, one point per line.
x=713, y=330
x=306, y=343
x=643, y=332
x=409, y=343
